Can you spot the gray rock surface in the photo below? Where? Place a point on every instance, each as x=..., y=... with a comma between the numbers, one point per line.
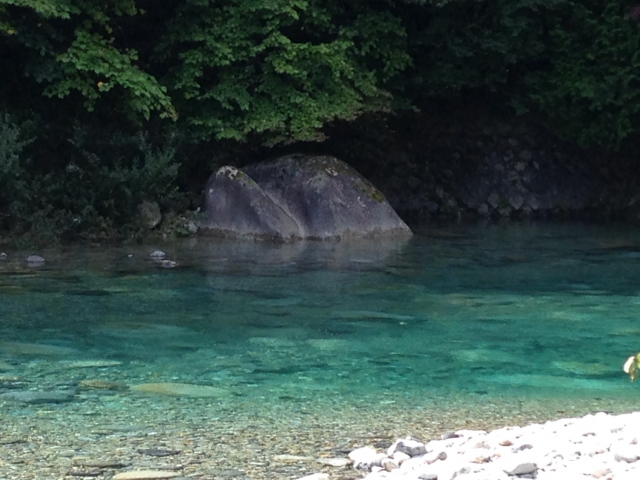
x=298, y=197
x=476, y=166
x=150, y=214
x=236, y=206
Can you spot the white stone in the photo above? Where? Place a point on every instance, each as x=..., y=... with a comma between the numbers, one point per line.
x=334, y=462
x=599, y=446
x=435, y=455
x=366, y=457
x=628, y=475
x=291, y=458
x=517, y=464
x=315, y=476
x=34, y=260
x=414, y=463
x=146, y=475
x=471, y=433
x=400, y=457
x=157, y=254
x=362, y=454
x=488, y=472
x=626, y=453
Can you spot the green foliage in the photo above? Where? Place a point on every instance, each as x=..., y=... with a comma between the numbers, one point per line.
x=479, y=45
x=71, y=46
x=93, y=196
x=12, y=145
x=238, y=75
x=575, y=62
x=590, y=87
x=281, y=69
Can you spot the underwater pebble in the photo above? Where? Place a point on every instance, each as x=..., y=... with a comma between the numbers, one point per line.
x=34, y=397
x=90, y=364
x=80, y=462
x=158, y=452
x=179, y=389
x=106, y=431
x=146, y=475
x=99, y=384
x=34, y=260
x=291, y=458
x=315, y=476
x=334, y=462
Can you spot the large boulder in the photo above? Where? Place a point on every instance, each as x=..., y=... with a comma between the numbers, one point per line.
x=298, y=197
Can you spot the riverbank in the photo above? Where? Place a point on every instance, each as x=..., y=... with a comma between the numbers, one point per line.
x=198, y=438
x=595, y=446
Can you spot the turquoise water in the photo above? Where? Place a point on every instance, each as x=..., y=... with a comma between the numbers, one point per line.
x=508, y=319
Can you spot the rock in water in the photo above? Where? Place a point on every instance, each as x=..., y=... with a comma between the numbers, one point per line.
x=33, y=397
x=157, y=255
x=298, y=197
x=179, y=389
x=35, y=260
x=238, y=207
x=146, y=475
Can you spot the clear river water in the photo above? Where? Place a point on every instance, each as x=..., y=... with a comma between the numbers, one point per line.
x=254, y=360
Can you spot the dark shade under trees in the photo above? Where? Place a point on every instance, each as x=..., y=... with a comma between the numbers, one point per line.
x=217, y=75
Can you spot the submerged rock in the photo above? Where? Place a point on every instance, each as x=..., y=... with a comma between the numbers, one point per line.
x=34, y=397
x=146, y=475
x=97, y=384
x=157, y=255
x=238, y=207
x=35, y=260
x=179, y=389
x=316, y=476
x=298, y=197
x=90, y=363
x=334, y=462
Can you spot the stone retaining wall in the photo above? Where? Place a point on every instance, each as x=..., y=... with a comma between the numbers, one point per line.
x=477, y=166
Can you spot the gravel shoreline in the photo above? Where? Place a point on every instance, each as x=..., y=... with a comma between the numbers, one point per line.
x=196, y=439
x=599, y=446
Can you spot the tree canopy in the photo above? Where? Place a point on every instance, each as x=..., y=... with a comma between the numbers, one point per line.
x=96, y=94
x=281, y=69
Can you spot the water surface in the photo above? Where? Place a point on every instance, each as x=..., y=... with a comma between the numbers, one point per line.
x=466, y=326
